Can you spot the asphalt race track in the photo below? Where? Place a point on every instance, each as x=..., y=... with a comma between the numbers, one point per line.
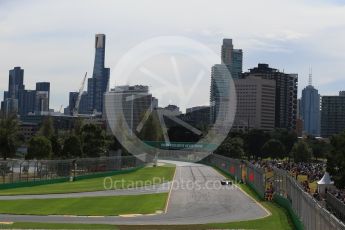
x=196, y=197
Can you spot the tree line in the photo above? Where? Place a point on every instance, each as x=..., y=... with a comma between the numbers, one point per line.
x=277, y=144
x=83, y=140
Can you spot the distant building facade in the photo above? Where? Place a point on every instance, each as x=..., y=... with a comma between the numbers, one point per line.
x=42, y=103
x=198, y=116
x=285, y=94
x=219, y=92
x=232, y=58
x=332, y=114
x=11, y=102
x=131, y=101
x=255, y=104
x=44, y=86
x=97, y=85
x=23, y=101
x=310, y=110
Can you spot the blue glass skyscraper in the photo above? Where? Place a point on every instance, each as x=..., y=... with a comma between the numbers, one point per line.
x=97, y=85
x=310, y=109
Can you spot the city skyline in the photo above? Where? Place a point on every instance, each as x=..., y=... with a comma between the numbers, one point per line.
x=55, y=52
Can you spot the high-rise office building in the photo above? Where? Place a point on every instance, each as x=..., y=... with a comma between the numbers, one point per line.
x=97, y=85
x=232, y=58
x=310, y=109
x=27, y=102
x=83, y=103
x=255, y=104
x=332, y=114
x=41, y=103
x=285, y=94
x=219, y=93
x=10, y=106
x=15, y=82
x=44, y=86
x=131, y=101
x=10, y=103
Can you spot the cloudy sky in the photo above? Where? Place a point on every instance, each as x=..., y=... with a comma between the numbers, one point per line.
x=54, y=40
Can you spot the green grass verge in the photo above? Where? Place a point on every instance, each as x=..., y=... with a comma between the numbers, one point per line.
x=153, y=175
x=88, y=206
x=278, y=220
x=32, y=225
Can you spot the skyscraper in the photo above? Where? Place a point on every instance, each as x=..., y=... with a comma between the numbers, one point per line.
x=44, y=86
x=219, y=92
x=310, y=109
x=41, y=103
x=232, y=58
x=285, y=94
x=15, y=82
x=97, y=85
x=27, y=101
x=73, y=96
x=15, y=85
x=332, y=114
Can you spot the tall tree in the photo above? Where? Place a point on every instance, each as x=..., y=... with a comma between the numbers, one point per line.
x=319, y=147
x=231, y=147
x=47, y=128
x=254, y=141
x=93, y=140
x=273, y=148
x=151, y=130
x=39, y=148
x=301, y=152
x=56, y=146
x=336, y=160
x=9, y=136
x=287, y=138
x=72, y=147
x=77, y=126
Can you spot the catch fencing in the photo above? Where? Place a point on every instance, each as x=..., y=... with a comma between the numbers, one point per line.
x=16, y=171
x=310, y=212
x=306, y=212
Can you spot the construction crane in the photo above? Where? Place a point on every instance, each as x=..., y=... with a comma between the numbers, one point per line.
x=76, y=106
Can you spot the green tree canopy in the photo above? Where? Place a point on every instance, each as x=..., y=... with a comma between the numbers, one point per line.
x=9, y=136
x=72, y=147
x=39, y=148
x=287, y=138
x=93, y=140
x=231, y=147
x=254, y=141
x=336, y=160
x=301, y=152
x=56, y=146
x=273, y=148
x=47, y=128
x=151, y=130
x=320, y=148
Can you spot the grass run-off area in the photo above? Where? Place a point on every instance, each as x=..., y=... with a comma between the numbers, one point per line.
x=140, y=177
x=87, y=206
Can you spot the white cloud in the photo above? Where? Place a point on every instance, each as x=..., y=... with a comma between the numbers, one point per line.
x=53, y=40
